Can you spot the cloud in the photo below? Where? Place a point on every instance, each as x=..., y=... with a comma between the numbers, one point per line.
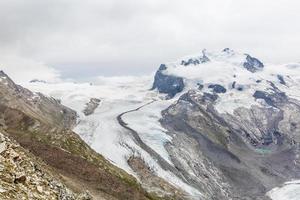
x=24, y=70
x=119, y=37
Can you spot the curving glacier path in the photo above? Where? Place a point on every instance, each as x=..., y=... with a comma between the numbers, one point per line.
x=123, y=124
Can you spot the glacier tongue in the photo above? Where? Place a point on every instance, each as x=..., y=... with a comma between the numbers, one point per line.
x=101, y=129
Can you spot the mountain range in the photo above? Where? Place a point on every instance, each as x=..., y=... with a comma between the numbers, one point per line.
x=215, y=125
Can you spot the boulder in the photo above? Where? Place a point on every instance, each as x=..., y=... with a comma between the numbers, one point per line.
x=217, y=88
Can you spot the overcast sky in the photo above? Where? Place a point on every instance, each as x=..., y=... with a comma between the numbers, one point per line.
x=82, y=38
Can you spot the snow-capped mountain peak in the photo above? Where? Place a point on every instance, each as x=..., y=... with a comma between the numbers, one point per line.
x=234, y=76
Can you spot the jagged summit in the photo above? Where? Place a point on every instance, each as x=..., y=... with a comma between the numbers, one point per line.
x=4, y=78
x=196, y=60
x=169, y=77
x=227, y=55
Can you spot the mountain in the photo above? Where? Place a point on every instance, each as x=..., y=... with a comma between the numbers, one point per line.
x=218, y=125
x=46, y=158
x=242, y=117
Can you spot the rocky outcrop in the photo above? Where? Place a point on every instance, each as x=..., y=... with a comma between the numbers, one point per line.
x=196, y=61
x=168, y=84
x=91, y=106
x=252, y=64
x=23, y=176
x=217, y=88
x=270, y=98
x=281, y=79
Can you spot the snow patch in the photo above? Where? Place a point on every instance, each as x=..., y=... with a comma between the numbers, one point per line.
x=289, y=191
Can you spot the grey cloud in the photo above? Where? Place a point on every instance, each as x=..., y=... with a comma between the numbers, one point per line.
x=134, y=36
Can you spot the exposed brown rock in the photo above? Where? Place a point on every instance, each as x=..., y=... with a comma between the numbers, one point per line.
x=153, y=182
x=27, y=177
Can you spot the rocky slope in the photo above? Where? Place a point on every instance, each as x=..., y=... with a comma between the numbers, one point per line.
x=24, y=176
x=91, y=106
x=43, y=126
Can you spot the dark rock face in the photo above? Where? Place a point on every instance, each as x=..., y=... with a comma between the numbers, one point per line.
x=233, y=84
x=236, y=86
x=196, y=61
x=167, y=84
x=226, y=50
x=253, y=64
x=217, y=88
x=210, y=97
x=200, y=86
x=272, y=99
x=240, y=88
x=281, y=79
x=191, y=61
